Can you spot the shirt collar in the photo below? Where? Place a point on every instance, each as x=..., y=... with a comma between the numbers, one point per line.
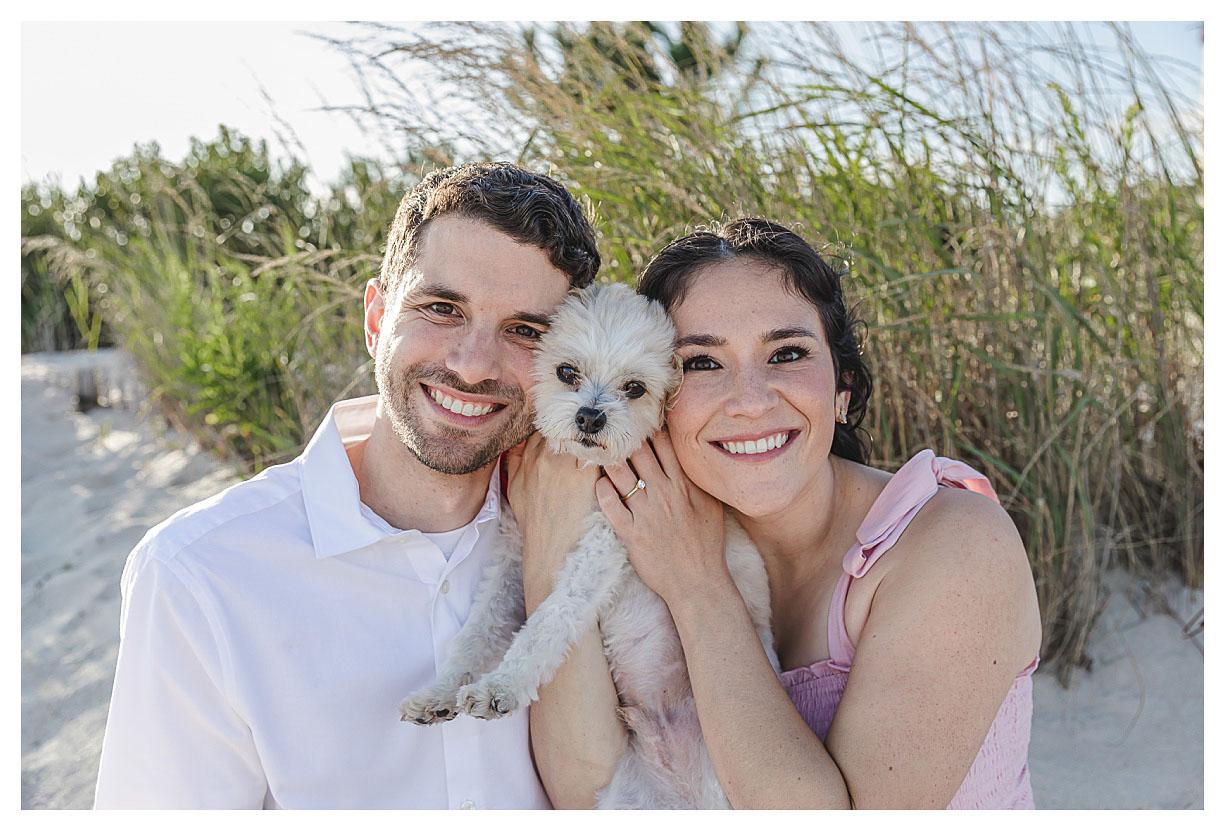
x=329, y=487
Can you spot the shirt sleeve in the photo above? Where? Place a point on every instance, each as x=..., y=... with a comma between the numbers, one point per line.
x=173, y=738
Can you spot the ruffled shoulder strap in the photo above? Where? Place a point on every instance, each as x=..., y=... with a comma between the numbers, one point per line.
x=903, y=496
x=899, y=501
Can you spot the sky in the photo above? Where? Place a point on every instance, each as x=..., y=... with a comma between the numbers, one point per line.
x=90, y=91
x=170, y=81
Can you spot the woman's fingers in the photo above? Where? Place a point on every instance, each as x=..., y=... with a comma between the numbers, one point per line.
x=610, y=503
x=647, y=466
x=666, y=455
x=513, y=459
x=534, y=445
x=622, y=478
x=523, y=458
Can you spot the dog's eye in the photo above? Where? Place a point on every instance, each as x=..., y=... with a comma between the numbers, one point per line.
x=634, y=390
x=567, y=374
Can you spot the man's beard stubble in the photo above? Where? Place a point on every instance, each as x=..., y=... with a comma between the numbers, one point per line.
x=447, y=451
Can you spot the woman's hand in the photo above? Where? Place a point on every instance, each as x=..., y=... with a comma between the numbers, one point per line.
x=671, y=529
x=551, y=497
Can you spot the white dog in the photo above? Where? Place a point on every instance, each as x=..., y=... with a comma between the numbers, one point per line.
x=603, y=374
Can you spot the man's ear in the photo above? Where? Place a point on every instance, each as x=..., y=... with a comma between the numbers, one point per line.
x=375, y=307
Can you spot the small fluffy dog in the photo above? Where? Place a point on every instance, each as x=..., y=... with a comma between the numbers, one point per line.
x=603, y=374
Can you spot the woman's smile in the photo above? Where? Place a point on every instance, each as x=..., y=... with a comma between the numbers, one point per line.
x=757, y=447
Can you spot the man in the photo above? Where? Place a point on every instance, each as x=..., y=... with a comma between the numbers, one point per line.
x=268, y=634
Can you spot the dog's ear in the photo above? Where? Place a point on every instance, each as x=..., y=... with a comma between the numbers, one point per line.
x=590, y=288
x=679, y=366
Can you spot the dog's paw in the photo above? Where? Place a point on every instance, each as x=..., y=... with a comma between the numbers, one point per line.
x=432, y=705
x=490, y=698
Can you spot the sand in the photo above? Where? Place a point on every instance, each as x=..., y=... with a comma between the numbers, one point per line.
x=91, y=485
x=1129, y=734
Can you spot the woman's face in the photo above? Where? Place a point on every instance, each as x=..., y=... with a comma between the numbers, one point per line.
x=758, y=377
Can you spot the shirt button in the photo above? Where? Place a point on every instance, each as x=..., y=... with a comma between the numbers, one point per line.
x=467, y=804
x=444, y=588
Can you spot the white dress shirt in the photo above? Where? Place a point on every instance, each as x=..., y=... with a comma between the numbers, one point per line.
x=267, y=636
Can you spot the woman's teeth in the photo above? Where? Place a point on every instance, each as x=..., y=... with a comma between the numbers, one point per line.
x=759, y=446
x=466, y=408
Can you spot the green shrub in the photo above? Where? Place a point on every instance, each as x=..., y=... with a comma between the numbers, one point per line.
x=58, y=310
x=236, y=290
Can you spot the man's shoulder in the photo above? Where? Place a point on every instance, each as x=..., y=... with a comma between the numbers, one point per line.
x=270, y=500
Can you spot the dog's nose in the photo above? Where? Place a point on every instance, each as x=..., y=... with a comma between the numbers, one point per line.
x=590, y=420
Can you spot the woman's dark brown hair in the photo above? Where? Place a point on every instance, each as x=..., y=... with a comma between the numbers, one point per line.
x=668, y=276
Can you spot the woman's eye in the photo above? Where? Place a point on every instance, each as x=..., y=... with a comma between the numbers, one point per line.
x=634, y=390
x=567, y=374
x=699, y=363
x=525, y=331
x=788, y=354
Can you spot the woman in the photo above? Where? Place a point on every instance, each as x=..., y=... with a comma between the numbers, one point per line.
x=904, y=613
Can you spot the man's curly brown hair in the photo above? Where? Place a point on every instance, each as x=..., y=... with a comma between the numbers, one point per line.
x=529, y=208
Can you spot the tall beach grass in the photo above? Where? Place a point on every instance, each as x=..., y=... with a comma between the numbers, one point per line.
x=1020, y=209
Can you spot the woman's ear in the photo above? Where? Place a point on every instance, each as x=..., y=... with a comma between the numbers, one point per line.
x=842, y=405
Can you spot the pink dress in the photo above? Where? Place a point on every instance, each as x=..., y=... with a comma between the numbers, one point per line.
x=999, y=776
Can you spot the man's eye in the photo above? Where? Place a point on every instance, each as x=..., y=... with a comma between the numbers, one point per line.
x=444, y=309
x=525, y=331
x=788, y=354
x=699, y=363
x=634, y=390
x=567, y=374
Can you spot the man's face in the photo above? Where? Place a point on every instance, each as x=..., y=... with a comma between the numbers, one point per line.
x=453, y=346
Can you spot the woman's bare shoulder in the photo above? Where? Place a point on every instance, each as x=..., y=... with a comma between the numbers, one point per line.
x=963, y=555
x=959, y=527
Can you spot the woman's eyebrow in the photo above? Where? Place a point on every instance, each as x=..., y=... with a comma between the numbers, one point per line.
x=788, y=332
x=772, y=335
x=700, y=340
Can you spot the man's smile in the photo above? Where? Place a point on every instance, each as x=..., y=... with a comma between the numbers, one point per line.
x=468, y=408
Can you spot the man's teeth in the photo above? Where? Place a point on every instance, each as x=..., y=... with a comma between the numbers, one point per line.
x=759, y=446
x=458, y=407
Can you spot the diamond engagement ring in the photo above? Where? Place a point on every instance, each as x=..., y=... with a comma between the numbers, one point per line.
x=641, y=486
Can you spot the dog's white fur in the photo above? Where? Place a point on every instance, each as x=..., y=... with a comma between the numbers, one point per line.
x=610, y=336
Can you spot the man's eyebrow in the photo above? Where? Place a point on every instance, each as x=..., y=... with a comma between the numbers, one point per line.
x=441, y=292
x=450, y=295
x=788, y=332
x=700, y=340
x=541, y=320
